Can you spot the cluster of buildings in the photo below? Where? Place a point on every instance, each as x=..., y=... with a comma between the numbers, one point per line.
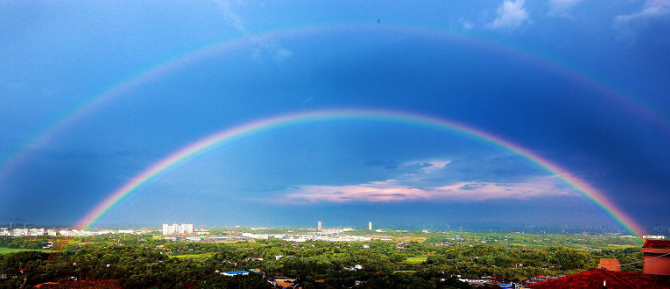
x=187, y=232
x=319, y=226
x=656, y=274
x=176, y=229
x=36, y=232
x=275, y=281
x=329, y=235
x=23, y=232
x=283, y=281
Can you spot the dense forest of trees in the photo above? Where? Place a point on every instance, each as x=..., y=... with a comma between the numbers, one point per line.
x=146, y=262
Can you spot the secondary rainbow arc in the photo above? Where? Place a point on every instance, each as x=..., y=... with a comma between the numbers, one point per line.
x=232, y=134
x=147, y=75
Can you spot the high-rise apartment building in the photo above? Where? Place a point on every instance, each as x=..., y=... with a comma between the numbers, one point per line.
x=174, y=229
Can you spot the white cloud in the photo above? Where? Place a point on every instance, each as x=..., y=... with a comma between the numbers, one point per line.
x=393, y=191
x=382, y=191
x=265, y=49
x=429, y=166
x=230, y=15
x=510, y=15
x=627, y=26
x=562, y=7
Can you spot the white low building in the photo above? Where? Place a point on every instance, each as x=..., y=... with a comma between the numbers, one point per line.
x=195, y=239
x=235, y=273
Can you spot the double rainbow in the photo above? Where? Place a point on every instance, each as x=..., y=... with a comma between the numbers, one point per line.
x=236, y=133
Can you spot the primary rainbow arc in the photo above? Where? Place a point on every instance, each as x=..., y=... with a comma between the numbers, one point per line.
x=230, y=135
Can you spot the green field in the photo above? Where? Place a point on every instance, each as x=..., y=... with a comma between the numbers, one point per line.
x=416, y=260
x=616, y=246
x=13, y=250
x=405, y=271
x=192, y=256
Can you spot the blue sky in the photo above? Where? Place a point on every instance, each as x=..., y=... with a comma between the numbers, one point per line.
x=584, y=84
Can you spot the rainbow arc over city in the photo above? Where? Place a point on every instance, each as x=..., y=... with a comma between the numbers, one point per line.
x=233, y=134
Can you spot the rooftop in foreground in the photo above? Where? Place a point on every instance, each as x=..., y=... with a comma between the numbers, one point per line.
x=596, y=278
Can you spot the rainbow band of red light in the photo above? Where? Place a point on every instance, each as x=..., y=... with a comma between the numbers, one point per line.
x=236, y=133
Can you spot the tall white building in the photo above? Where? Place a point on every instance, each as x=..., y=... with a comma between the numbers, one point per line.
x=319, y=226
x=370, y=226
x=174, y=229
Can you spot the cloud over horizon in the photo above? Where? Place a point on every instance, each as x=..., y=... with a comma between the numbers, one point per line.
x=394, y=191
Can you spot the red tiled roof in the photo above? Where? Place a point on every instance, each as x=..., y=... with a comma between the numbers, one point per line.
x=657, y=244
x=593, y=279
x=610, y=264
